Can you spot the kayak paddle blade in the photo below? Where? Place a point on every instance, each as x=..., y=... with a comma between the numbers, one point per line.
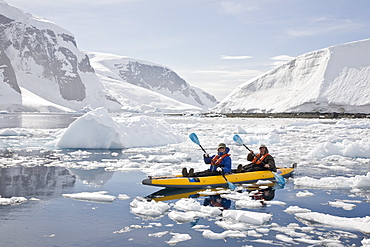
x=279, y=179
x=194, y=138
x=238, y=139
x=231, y=185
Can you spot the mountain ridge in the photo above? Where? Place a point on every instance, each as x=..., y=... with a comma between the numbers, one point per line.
x=40, y=60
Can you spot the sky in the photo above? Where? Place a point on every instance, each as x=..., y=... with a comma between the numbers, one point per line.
x=215, y=45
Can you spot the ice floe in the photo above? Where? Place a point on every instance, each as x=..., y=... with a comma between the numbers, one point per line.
x=91, y=196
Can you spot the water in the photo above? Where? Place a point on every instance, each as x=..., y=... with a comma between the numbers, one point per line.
x=53, y=220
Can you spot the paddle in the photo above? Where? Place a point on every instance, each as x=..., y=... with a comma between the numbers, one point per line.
x=280, y=179
x=194, y=138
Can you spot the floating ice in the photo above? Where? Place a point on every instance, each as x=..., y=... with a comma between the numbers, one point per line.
x=359, y=181
x=158, y=234
x=15, y=132
x=182, y=217
x=97, y=130
x=12, y=200
x=91, y=196
x=359, y=224
x=229, y=233
x=341, y=204
x=123, y=197
x=178, y=238
x=141, y=206
x=247, y=216
x=296, y=209
x=305, y=193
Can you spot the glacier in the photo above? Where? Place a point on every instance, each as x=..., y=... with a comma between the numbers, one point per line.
x=334, y=79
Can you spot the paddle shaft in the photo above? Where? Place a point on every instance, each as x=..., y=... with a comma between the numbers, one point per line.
x=202, y=148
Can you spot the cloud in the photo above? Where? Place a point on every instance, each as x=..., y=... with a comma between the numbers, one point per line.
x=318, y=26
x=234, y=57
x=280, y=60
x=236, y=74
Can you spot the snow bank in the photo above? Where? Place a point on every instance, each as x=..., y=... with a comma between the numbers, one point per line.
x=97, y=130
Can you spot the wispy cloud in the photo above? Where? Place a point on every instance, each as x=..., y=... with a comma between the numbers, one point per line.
x=322, y=25
x=234, y=57
x=280, y=60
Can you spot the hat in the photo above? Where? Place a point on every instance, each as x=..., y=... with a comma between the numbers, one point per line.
x=263, y=146
x=222, y=145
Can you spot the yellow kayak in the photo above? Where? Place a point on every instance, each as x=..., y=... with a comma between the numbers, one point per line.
x=179, y=181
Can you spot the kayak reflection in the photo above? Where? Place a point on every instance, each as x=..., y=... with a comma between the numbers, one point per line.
x=216, y=197
x=217, y=201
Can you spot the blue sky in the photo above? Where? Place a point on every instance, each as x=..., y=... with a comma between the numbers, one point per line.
x=213, y=45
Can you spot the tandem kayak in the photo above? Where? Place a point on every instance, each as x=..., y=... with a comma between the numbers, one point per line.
x=179, y=181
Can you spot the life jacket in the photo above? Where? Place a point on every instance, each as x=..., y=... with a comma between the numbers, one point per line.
x=217, y=160
x=258, y=160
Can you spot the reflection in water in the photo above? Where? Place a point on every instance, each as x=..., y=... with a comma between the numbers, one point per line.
x=37, y=120
x=213, y=196
x=217, y=201
x=34, y=181
x=93, y=177
x=263, y=194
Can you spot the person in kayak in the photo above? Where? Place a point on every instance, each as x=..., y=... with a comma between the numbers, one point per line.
x=220, y=163
x=260, y=162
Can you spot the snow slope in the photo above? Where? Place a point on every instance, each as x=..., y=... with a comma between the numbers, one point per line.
x=334, y=79
x=149, y=76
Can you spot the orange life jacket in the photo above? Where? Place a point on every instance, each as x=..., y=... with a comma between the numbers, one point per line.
x=257, y=160
x=217, y=160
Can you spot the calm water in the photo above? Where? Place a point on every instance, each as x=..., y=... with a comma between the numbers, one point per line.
x=53, y=220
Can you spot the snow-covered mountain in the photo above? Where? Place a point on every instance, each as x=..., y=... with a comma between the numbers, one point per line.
x=334, y=79
x=159, y=85
x=41, y=69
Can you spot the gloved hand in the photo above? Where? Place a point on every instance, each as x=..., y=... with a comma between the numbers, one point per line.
x=206, y=155
x=219, y=169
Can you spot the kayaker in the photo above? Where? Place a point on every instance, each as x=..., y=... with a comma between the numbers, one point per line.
x=260, y=162
x=220, y=163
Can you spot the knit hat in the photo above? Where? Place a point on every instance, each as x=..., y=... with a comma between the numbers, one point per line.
x=222, y=145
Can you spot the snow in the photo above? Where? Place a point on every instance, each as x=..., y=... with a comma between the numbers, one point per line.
x=109, y=67
x=334, y=79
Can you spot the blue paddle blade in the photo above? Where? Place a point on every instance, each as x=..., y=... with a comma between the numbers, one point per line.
x=194, y=138
x=238, y=139
x=231, y=185
x=279, y=179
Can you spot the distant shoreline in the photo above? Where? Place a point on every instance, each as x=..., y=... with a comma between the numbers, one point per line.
x=330, y=115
